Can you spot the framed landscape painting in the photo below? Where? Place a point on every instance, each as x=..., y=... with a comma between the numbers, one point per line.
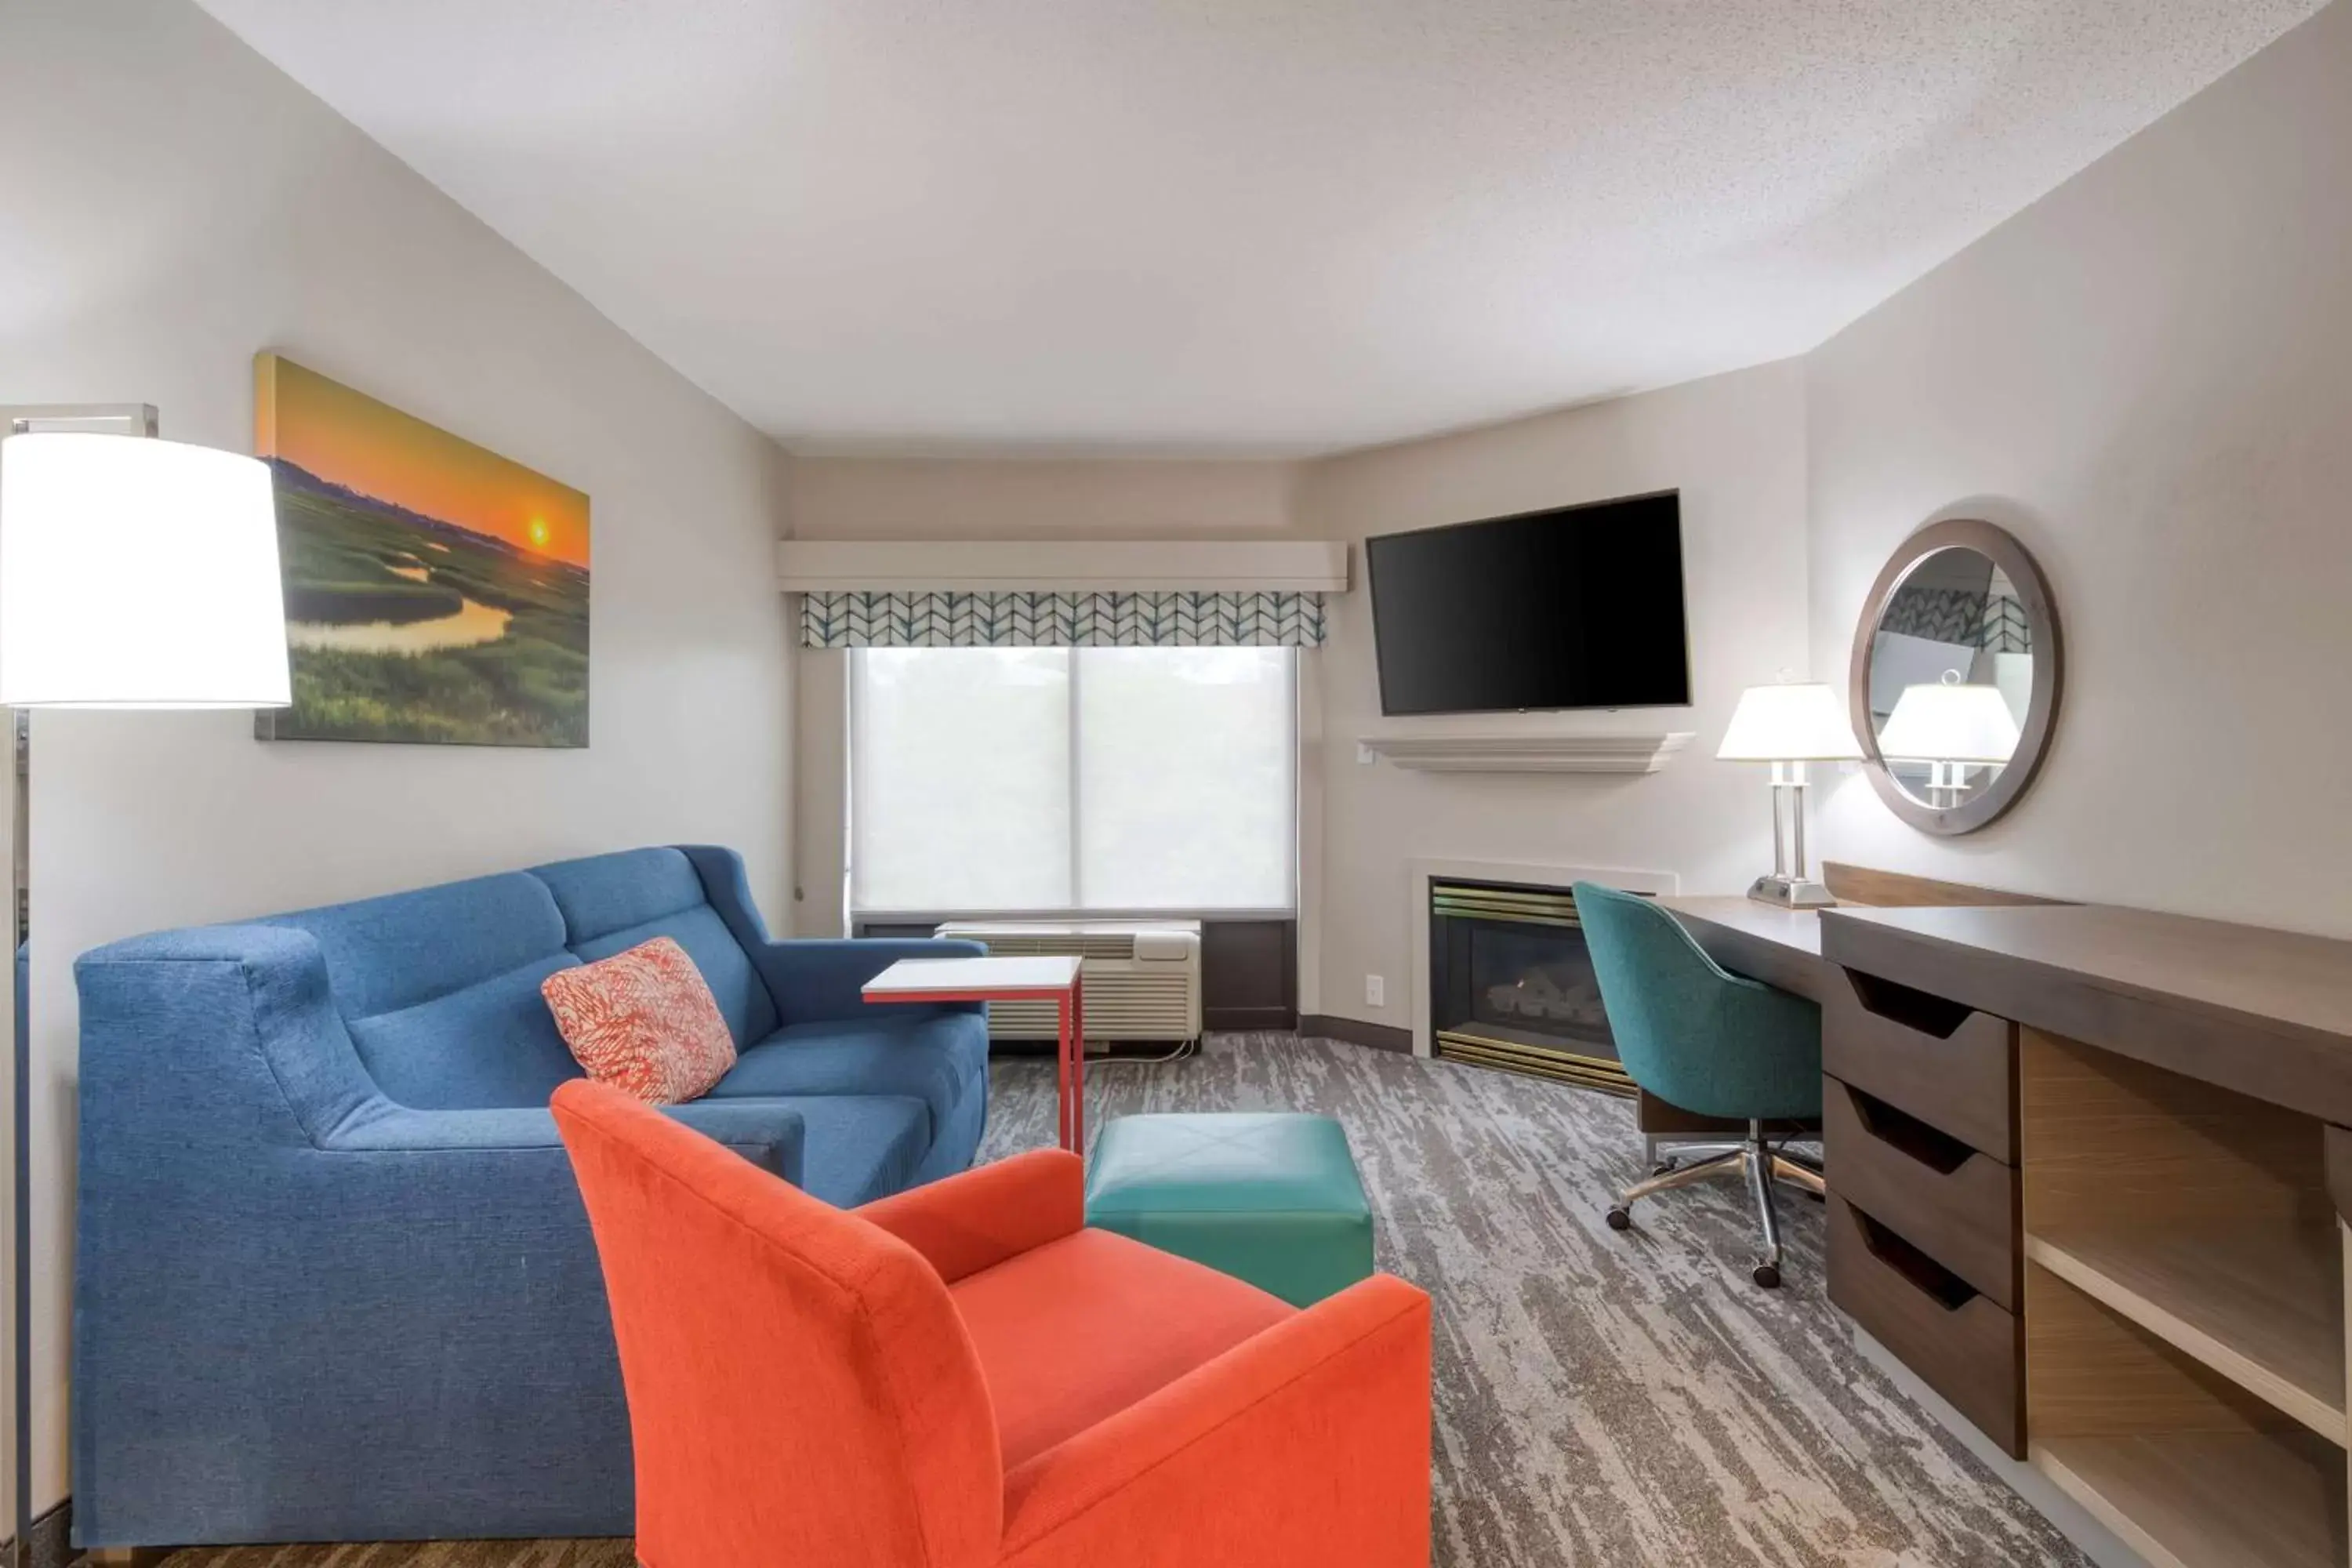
x=435, y=592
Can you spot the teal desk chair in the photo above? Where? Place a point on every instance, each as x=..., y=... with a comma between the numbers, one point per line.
x=1711, y=1043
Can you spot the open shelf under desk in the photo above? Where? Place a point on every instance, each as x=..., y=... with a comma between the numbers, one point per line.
x=2260, y=1305
x=2200, y=1499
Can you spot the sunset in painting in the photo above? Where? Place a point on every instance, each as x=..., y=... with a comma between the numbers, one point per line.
x=435, y=592
x=372, y=448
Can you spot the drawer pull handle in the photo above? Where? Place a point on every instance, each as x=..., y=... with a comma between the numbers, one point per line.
x=1931, y=1279
x=1922, y=1011
x=1899, y=1129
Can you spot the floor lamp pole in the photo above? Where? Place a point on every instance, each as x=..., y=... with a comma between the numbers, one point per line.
x=21, y=1028
x=118, y=420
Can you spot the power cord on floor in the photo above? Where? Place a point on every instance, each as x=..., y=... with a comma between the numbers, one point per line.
x=1116, y=1058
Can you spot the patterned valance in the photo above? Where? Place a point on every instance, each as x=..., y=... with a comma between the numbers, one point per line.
x=1062, y=620
x=1994, y=621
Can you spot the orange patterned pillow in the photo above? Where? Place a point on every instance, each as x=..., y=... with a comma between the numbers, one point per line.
x=644, y=1021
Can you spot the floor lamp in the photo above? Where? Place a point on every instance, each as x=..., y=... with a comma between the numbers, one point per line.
x=134, y=573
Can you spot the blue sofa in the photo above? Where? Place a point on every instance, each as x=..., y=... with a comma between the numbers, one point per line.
x=334, y=1281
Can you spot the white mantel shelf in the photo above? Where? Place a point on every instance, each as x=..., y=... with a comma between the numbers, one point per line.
x=1503, y=752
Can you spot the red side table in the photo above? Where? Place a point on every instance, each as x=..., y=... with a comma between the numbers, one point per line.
x=1007, y=980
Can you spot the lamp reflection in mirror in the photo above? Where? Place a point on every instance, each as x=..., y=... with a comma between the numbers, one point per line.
x=1952, y=727
x=1788, y=726
x=134, y=573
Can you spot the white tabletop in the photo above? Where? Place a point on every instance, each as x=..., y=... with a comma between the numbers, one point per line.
x=996, y=977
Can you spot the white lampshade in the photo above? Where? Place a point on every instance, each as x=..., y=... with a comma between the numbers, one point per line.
x=1949, y=723
x=138, y=574
x=1791, y=723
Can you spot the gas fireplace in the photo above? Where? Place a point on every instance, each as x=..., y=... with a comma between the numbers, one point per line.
x=1511, y=986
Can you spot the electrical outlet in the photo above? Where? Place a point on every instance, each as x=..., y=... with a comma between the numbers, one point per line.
x=1376, y=991
x=1365, y=756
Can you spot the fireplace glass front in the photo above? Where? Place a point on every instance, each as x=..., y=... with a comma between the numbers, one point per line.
x=1512, y=986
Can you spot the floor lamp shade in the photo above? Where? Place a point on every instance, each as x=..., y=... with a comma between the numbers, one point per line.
x=138, y=574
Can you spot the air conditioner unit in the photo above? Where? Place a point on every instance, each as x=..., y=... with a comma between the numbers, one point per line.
x=1142, y=977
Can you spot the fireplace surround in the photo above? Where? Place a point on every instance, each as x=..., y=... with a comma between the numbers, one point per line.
x=1511, y=986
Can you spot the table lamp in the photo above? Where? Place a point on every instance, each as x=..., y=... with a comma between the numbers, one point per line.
x=1951, y=727
x=1788, y=726
x=134, y=573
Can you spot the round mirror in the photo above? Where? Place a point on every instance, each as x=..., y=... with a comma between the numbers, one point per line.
x=1956, y=676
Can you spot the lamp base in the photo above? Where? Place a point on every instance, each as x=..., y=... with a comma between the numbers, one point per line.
x=1790, y=892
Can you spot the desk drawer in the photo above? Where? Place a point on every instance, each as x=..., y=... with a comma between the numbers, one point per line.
x=1957, y=1205
x=1958, y=1342
x=1953, y=1067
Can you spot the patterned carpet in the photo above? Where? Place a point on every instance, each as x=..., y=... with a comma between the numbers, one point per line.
x=1603, y=1400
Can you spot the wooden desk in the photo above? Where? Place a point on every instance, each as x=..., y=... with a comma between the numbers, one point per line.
x=2265, y=1013
x=2091, y=1185
x=1779, y=947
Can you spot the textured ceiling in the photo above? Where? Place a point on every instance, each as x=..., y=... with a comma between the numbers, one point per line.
x=1237, y=227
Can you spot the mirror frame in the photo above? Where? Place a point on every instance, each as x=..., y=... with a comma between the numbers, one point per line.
x=1999, y=545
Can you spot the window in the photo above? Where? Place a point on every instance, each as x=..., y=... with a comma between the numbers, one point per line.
x=988, y=780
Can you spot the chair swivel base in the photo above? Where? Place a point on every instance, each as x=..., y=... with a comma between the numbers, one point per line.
x=1755, y=1159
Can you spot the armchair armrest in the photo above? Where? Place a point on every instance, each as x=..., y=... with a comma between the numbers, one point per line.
x=966, y=1222
x=1308, y=1443
x=820, y=977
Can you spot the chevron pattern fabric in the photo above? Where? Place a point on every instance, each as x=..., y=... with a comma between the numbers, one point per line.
x=1994, y=621
x=1062, y=620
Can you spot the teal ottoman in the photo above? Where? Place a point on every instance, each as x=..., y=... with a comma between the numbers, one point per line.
x=1272, y=1198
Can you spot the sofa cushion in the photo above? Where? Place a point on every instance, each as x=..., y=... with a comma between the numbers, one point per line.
x=439, y=989
x=385, y=954
x=489, y=1045
x=610, y=903
x=859, y=1147
x=1085, y=1326
x=936, y=1057
x=643, y=1022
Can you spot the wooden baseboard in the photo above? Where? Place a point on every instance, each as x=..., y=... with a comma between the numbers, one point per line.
x=1242, y=1020
x=1356, y=1032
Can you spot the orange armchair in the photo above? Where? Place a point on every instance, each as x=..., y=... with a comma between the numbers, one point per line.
x=965, y=1375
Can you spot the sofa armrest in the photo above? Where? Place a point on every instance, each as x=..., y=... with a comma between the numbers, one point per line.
x=1308, y=1443
x=817, y=978
x=981, y=1217
x=770, y=1136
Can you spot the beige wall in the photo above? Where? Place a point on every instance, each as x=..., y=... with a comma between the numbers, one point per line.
x=2148, y=375
x=1733, y=446
x=174, y=203
x=949, y=498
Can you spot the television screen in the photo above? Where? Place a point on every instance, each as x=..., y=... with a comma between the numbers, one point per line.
x=1579, y=606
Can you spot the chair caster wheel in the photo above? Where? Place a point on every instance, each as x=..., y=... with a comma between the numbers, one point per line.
x=1769, y=1276
x=1619, y=1219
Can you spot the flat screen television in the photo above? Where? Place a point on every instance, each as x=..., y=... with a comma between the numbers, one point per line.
x=1577, y=606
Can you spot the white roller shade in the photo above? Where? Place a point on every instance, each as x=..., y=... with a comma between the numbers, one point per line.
x=1062, y=780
